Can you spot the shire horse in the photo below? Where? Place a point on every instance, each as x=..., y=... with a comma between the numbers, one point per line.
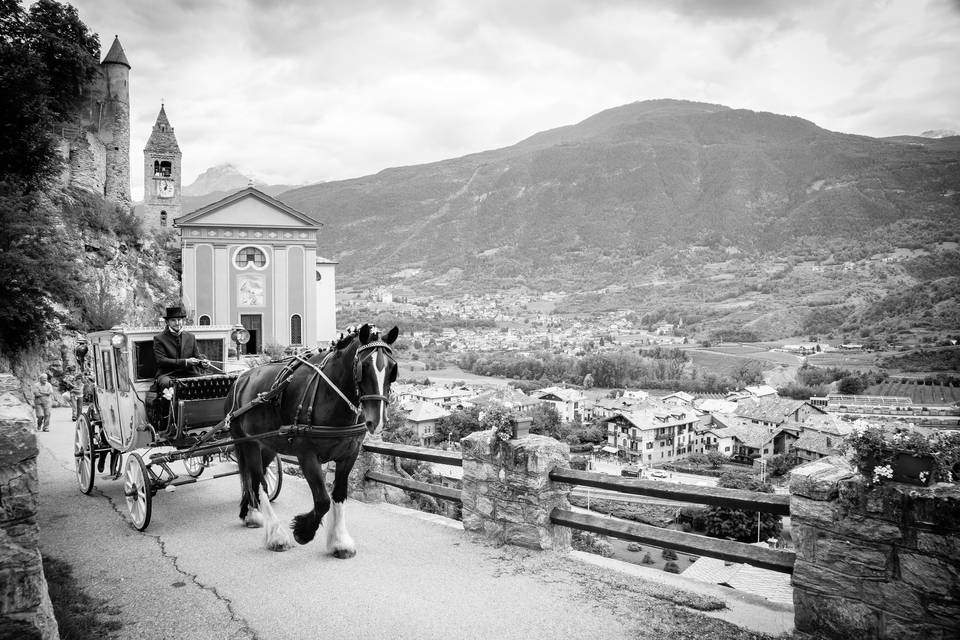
x=319, y=409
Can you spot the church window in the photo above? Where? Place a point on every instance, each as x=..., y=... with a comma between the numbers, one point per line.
x=204, y=320
x=166, y=169
x=247, y=256
x=163, y=218
x=296, y=332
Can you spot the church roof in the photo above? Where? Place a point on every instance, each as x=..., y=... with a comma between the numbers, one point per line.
x=162, y=139
x=250, y=192
x=116, y=54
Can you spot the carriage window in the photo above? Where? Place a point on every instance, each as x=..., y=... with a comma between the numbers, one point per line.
x=296, y=333
x=144, y=363
x=123, y=373
x=107, y=370
x=204, y=320
x=213, y=349
x=250, y=256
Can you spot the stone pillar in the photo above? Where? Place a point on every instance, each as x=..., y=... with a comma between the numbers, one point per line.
x=874, y=561
x=367, y=490
x=507, y=492
x=25, y=609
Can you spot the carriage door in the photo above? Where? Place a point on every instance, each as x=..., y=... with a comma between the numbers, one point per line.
x=106, y=391
x=126, y=396
x=252, y=322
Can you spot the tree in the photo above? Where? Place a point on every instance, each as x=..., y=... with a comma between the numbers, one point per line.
x=46, y=57
x=546, y=421
x=716, y=459
x=458, y=424
x=724, y=522
x=851, y=385
x=588, y=381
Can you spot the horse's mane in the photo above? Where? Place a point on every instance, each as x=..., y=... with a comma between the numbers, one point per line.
x=344, y=341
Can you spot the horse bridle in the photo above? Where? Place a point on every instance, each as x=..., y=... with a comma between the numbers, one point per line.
x=375, y=346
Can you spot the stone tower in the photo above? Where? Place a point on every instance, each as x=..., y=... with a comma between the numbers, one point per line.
x=115, y=124
x=96, y=147
x=161, y=175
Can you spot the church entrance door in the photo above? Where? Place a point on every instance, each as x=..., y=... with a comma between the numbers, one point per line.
x=252, y=322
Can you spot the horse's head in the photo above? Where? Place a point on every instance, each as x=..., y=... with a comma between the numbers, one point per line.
x=374, y=369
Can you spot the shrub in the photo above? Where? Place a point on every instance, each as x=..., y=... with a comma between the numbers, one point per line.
x=647, y=559
x=633, y=546
x=669, y=554
x=671, y=567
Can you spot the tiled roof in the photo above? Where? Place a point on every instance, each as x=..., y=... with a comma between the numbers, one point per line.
x=752, y=435
x=768, y=409
x=772, y=585
x=822, y=443
x=116, y=55
x=423, y=411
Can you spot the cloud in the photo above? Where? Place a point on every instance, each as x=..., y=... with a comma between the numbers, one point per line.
x=301, y=90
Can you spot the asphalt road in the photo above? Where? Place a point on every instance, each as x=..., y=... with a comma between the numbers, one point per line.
x=196, y=572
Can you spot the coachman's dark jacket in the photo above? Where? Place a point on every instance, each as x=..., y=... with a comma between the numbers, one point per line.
x=171, y=352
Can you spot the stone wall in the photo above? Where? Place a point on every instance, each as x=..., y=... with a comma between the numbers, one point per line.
x=85, y=162
x=874, y=562
x=507, y=492
x=25, y=609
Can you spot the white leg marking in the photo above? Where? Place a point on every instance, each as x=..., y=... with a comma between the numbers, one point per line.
x=254, y=519
x=277, y=535
x=339, y=542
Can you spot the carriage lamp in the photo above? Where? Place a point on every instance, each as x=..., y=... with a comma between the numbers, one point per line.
x=118, y=341
x=240, y=336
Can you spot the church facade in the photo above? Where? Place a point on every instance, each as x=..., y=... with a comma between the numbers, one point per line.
x=250, y=259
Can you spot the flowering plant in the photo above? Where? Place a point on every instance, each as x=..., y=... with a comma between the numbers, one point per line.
x=498, y=420
x=875, y=451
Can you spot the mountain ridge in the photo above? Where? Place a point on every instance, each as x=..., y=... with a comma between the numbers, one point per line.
x=619, y=198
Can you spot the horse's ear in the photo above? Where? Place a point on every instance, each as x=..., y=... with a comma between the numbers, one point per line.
x=392, y=335
x=364, y=334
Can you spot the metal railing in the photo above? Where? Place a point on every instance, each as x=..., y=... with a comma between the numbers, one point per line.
x=730, y=550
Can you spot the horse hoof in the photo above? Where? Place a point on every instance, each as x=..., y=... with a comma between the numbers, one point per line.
x=254, y=520
x=343, y=554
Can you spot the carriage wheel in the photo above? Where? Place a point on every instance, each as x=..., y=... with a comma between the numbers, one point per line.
x=195, y=465
x=273, y=476
x=136, y=489
x=83, y=454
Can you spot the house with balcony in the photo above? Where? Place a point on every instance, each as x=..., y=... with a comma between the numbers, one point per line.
x=743, y=440
x=567, y=402
x=652, y=432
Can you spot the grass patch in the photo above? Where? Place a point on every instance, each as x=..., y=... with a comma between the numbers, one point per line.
x=79, y=616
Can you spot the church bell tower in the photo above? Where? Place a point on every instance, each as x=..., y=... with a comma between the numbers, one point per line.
x=161, y=175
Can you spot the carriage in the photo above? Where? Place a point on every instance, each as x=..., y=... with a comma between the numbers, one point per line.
x=122, y=415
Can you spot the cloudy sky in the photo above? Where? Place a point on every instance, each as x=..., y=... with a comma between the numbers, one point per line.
x=299, y=91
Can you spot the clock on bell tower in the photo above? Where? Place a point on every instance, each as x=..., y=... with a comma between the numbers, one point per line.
x=161, y=175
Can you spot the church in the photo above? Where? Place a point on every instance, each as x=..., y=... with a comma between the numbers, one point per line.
x=247, y=259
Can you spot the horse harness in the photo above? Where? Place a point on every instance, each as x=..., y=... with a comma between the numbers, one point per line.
x=306, y=429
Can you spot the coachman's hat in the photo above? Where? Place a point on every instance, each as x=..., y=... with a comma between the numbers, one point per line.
x=174, y=312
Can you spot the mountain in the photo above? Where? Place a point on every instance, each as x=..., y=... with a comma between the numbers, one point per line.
x=220, y=181
x=729, y=215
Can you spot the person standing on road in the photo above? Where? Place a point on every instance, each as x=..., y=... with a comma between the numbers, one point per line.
x=43, y=399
